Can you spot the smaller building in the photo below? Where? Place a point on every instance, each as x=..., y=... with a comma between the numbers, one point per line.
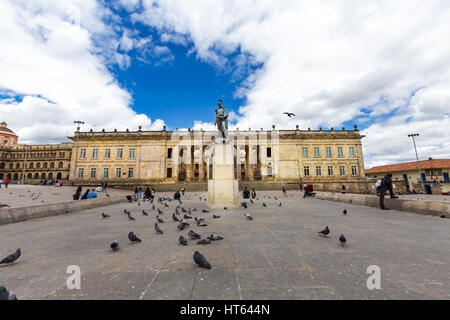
x=434, y=174
x=7, y=136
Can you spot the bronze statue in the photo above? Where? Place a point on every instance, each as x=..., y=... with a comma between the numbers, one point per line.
x=222, y=119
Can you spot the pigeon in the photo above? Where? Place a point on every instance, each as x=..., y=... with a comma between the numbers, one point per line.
x=4, y=205
x=443, y=216
x=105, y=215
x=132, y=237
x=205, y=210
x=344, y=212
x=183, y=209
x=204, y=241
x=224, y=208
x=193, y=235
x=5, y=295
x=251, y=201
x=108, y=195
x=165, y=204
x=275, y=198
x=159, y=219
x=160, y=211
x=325, y=231
x=174, y=217
x=202, y=224
x=176, y=211
x=215, y=237
x=187, y=217
x=157, y=229
x=153, y=207
x=264, y=205
x=201, y=260
x=198, y=219
x=183, y=241
x=342, y=240
x=279, y=204
x=248, y=216
x=244, y=204
x=181, y=227
x=114, y=245
x=216, y=217
x=185, y=223
x=130, y=217
x=144, y=213
x=139, y=203
x=12, y=257
x=289, y=114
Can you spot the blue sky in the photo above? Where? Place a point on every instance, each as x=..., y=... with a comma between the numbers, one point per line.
x=150, y=63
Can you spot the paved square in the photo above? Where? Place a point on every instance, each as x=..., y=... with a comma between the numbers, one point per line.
x=278, y=255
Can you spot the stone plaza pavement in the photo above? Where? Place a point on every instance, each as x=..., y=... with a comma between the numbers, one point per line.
x=278, y=255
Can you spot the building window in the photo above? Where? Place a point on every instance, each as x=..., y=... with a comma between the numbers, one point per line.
x=269, y=152
x=305, y=152
x=446, y=177
x=342, y=170
x=340, y=153
x=95, y=154
x=330, y=171
x=306, y=170
x=328, y=149
x=169, y=171
x=93, y=173
x=118, y=172
x=169, y=156
x=351, y=151
x=269, y=171
x=316, y=152
x=105, y=173
x=119, y=153
x=107, y=153
x=318, y=170
x=61, y=154
x=131, y=153
x=130, y=172
x=80, y=173
x=354, y=171
x=82, y=153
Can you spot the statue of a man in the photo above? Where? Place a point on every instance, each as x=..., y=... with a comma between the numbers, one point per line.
x=222, y=119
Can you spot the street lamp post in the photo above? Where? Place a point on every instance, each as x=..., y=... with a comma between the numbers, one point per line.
x=412, y=135
x=76, y=149
x=24, y=165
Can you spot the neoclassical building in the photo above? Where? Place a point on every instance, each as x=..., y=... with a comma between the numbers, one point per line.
x=155, y=157
x=35, y=162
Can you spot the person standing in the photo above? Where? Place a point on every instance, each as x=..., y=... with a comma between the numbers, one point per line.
x=183, y=190
x=246, y=193
x=386, y=184
x=153, y=194
x=253, y=193
x=7, y=181
x=140, y=193
x=284, y=190
x=308, y=190
x=343, y=190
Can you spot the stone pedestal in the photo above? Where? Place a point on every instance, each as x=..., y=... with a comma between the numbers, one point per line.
x=223, y=188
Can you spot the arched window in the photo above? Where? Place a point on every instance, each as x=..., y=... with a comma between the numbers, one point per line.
x=36, y=175
x=8, y=176
x=60, y=165
x=2, y=165
x=44, y=165
x=16, y=176
x=11, y=165
x=29, y=176
x=31, y=165
x=52, y=165
x=59, y=176
x=43, y=175
x=50, y=176
x=38, y=165
x=1, y=175
x=18, y=165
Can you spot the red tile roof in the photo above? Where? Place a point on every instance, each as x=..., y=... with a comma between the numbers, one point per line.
x=411, y=166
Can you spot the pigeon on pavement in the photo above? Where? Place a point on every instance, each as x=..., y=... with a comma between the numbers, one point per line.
x=187, y=217
x=114, y=245
x=201, y=260
x=204, y=241
x=325, y=231
x=183, y=241
x=344, y=212
x=342, y=240
x=157, y=229
x=159, y=219
x=244, y=204
x=248, y=216
x=193, y=235
x=215, y=217
x=205, y=210
x=160, y=211
x=5, y=295
x=174, y=217
x=105, y=215
x=144, y=213
x=215, y=237
x=132, y=237
x=12, y=257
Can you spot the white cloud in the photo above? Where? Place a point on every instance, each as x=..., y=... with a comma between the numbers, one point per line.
x=329, y=62
x=54, y=57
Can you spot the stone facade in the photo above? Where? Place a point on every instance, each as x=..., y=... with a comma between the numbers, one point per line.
x=151, y=157
x=51, y=162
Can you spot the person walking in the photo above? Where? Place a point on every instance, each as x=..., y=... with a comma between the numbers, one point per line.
x=7, y=181
x=386, y=184
x=284, y=190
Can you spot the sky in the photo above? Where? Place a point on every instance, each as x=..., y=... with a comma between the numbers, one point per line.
x=383, y=65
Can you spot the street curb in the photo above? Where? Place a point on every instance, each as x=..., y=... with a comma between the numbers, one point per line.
x=13, y=215
x=431, y=208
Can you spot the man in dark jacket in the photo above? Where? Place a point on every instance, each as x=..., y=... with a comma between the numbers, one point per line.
x=386, y=184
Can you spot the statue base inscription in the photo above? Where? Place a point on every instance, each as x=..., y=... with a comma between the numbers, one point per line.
x=223, y=188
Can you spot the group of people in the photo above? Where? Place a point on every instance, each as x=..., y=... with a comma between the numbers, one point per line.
x=88, y=194
x=246, y=194
x=148, y=194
